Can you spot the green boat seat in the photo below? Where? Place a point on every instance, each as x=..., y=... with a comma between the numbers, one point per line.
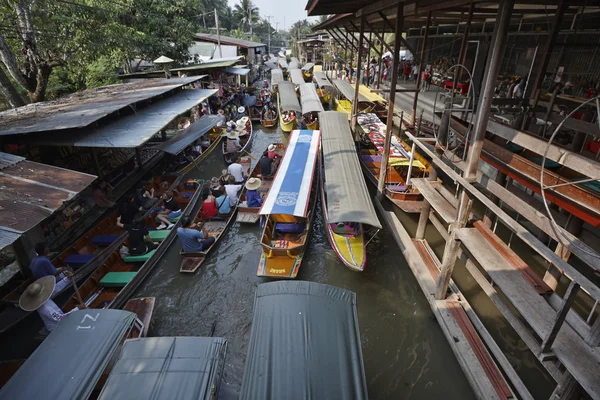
x=117, y=279
x=159, y=236
x=174, y=220
x=140, y=258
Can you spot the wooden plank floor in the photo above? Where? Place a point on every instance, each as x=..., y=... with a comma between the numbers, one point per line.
x=437, y=201
x=408, y=206
x=581, y=360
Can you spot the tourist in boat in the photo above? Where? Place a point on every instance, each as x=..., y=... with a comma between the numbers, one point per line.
x=232, y=189
x=271, y=151
x=170, y=210
x=266, y=165
x=223, y=179
x=241, y=112
x=103, y=195
x=144, y=198
x=222, y=118
x=233, y=144
x=38, y=296
x=192, y=239
x=208, y=208
x=128, y=209
x=41, y=265
x=301, y=122
x=253, y=198
x=223, y=203
x=237, y=171
x=139, y=236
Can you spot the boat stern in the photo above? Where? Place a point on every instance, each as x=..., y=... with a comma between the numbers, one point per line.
x=285, y=267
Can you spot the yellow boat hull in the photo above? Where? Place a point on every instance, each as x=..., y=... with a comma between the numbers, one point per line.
x=314, y=126
x=350, y=250
x=343, y=106
x=289, y=126
x=279, y=267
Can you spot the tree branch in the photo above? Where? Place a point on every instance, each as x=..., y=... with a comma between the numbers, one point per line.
x=9, y=61
x=9, y=92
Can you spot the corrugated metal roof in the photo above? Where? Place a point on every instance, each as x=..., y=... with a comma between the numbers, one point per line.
x=276, y=77
x=194, y=131
x=271, y=65
x=237, y=71
x=8, y=160
x=309, y=99
x=215, y=63
x=132, y=130
x=227, y=40
x=348, y=91
x=83, y=108
x=296, y=75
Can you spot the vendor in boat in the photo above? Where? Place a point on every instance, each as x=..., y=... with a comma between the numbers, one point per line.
x=192, y=239
x=208, y=209
x=223, y=203
x=233, y=144
x=170, y=210
x=236, y=170
x=253, y=198
x=139, y=236
x=38, y=296
x=41, y=265
x=232, y=189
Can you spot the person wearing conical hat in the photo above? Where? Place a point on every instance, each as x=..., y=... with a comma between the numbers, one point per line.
x=233, y=144
x=253, y=198
x=38, y=296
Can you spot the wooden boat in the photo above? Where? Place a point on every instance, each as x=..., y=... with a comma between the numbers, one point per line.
x=276, y=79
x=85, y=254
x=255, y=113
x=311, y=104
x=325, y=88
x=215, y=136
x=346, y=201
x=287, y=106
x=246, y=137
x=105, y=285
x=250, y=214
x=307, y=72
x=296, y=76
x=268, y=123
x=380, y=107
x=290, y=208
x=345, y=97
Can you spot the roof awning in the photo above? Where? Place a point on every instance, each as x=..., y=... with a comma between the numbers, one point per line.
x=317, y=352
x=296, y=75
x=176, y=144
x=283, y=63
x=276, y=77
x=237, y=71
x=79, y=350
x=135, y=129
x=288, y=100
x=294, y=64
x=308, y=67
x=321, y=79
x=348, y=91
x=185, y=368
x=348, y=199
x=290, y=191
x=310, y=99
x=271, y=65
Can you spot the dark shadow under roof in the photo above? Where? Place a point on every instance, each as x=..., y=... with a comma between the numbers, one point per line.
x=188, y=136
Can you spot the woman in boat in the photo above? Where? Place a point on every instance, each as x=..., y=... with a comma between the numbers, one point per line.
x=139, y=236
x=128, y=209
x=209, y=208
x=170, y=211
x=253, y=198
x=224, y=178
x=192, y=239
x=144, y=198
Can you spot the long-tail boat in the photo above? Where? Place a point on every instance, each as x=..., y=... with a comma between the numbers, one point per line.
x=250, y=214
x=290, y=208
x=296, y=76
x=86, y=254
x=288, y=106
x=307, y=72
x=345, y=96
x=325, y=89
x=268, y=121
x=311, y=105
x=245, y=133
x=276, y=79
x=380, y=105
x=345, y=199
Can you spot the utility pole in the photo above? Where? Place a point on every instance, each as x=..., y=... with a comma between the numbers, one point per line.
x=269, y=39
x=218, y=34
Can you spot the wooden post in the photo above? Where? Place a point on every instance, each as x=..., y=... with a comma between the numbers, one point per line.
x=425, y=210
x=413, y=116
x=390, y=115
x=379, y=69
x=567, y=302
x=464, y=206
x=489, y=216
x=357, y=83
x=463, y=45
x=553, y=274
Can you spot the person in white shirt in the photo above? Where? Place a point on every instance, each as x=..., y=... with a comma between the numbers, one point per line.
x=38, y=296
x=237, y=171
x=233, y=190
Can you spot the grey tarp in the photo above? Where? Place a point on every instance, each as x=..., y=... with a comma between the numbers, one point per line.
x=276, y=77
x=294, y=65
x=296, y=76
x=348, y=91
x=304, y=344
x=271, y=65
x=176, y=144
x=182, y=368
x=321, y=79
x=308, y=67
x=282, y=63
x=69, y=363
x=309, y=98
x=287, y=97
x=131, y=130
x=348, y=198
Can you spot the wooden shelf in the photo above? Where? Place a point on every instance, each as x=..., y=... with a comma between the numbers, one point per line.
x=445, y=210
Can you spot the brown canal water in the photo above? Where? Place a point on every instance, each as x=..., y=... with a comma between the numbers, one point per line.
x=406, y=355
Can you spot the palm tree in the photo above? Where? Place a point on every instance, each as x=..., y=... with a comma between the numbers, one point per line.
x=246, y=12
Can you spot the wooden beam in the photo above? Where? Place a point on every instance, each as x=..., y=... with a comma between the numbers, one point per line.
x=380, y=38
x=561, y=315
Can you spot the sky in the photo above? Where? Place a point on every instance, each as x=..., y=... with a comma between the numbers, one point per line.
x=284, y=12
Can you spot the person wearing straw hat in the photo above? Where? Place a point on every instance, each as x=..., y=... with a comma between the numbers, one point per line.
x=252, y=196
x=222, y=118
x=241, y=111
x=271, y=151
x=233, y=144
x=38, y=296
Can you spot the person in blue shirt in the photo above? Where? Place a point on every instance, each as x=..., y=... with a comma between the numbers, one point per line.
x=41, y=265
x=192, y=239
x=252, y=196
x=222, y=202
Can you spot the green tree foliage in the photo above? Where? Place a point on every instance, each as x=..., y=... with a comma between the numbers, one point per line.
x=247, y=15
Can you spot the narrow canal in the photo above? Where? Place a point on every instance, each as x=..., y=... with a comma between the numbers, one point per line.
x=405, y=352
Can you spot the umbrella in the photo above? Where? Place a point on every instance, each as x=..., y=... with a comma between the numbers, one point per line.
x=162, y=60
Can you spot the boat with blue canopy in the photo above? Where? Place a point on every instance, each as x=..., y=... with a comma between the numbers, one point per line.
x=289, y=207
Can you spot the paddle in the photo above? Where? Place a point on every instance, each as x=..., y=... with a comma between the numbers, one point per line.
x=251, y=156
x=74, y=281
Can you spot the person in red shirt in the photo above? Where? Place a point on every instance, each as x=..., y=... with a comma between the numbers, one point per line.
x=209, y=208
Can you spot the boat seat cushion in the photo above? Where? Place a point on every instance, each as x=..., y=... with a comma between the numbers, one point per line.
x=159, y=236
x=140, y=258
x=78, y=260
x=397, y=188
x=104, y=240
x=116, y=279
x=289, y=228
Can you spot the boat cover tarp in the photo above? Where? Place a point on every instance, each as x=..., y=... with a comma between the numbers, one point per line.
x=283, y=63
x=348, y=91
x=287, y=97
x=304, y=344
x=290, y=191
x=271, y=65
x=321, y=79
x=276, y=77
x=69, y=363
x=183, y=368
x=176, y=144
x=374, y=97
x=237, y=71
x=310, y=99
x=294, y=63
x=308, y=67
x=296, y=76
x=348, y=198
